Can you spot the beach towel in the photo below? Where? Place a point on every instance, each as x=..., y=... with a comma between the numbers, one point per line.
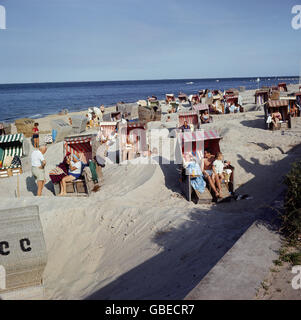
x=58, y=173
x=92, y=167
x=197, y=178
x=91, y=185
x=1, y=154
x=7, y=161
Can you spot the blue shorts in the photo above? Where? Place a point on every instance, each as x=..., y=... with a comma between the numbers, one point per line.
x=75, y=175
x=210, y=172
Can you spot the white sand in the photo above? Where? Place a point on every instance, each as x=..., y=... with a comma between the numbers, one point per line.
x=138, y=238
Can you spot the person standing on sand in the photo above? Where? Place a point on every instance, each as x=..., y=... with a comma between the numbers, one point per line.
x=102, y=111
x=38, y=164
x=35, y=135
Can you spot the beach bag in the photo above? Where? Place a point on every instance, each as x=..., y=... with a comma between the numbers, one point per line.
x=269, y=119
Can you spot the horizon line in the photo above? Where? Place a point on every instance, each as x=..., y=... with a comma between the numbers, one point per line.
x=95, y=81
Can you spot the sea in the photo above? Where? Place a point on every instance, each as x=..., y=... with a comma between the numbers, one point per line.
x=36, y=100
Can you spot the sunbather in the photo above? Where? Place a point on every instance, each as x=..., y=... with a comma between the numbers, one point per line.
x=208, y=170
x=75, y=170
x=218, y=167
x=35, y=135
x=205, y=117
x=185, y=126
x=276, y=117
x=294, y=111
x=56, y=175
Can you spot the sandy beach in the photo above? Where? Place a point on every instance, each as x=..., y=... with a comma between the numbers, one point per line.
x=138, y=238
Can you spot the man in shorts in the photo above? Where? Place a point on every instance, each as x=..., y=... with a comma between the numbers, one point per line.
x=38, y=164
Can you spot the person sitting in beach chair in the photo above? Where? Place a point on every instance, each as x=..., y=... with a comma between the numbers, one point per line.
x=233, y=108
x=185, y=126
x=219, y=169
x=56, y=175
x=205, y=118
x=75, y=171
x=276, y=118
x=294, y=111
x=209, y=171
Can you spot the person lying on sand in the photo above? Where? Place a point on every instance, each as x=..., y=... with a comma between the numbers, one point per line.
x=75, y=170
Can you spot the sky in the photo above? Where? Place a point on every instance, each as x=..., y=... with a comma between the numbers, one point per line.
x=101, y=40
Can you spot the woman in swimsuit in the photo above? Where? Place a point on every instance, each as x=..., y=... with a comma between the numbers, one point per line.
x=35, y=135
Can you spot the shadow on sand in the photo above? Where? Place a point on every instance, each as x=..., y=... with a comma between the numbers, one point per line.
x=193, y=249
x=256, y=124
x=31, y=185
x=50, y=187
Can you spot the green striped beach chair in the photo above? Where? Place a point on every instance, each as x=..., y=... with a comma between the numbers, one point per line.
x=11, y=145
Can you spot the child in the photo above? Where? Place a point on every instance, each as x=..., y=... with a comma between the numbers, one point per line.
x=218, y=169
x=35, y=135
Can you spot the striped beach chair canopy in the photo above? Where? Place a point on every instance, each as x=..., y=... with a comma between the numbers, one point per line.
x=11, y=138
x=12, y=145
x=133, y=130
x=190, y=116
x=107, y=128
x=200, y=135
x=80, y=145
x=262, y=92
x=200, y=140
x=278, y=103
x=282, y=86
x=200, y=107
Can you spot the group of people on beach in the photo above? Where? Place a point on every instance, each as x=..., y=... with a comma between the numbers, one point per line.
x=95, y=116
x=210, y=169
x=69, y=170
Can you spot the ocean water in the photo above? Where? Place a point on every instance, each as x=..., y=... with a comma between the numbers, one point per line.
x=39, y=99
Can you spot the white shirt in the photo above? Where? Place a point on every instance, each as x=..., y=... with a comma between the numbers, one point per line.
x=78, y=167
x=37, y=158
x=219, y=166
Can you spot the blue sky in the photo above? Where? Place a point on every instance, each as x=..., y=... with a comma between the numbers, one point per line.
x=96, y=40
